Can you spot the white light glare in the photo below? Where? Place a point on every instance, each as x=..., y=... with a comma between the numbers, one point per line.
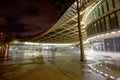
x=82, y=22
x=57, y=44
x=119, y=31
x=30, y=43
x=101, y=65
x=106, y=74
x=102, y=35
x=97, y=70
x=101, y=72
x=98, y=36
x=113, y=32
x=107, y=34
x=112, y=77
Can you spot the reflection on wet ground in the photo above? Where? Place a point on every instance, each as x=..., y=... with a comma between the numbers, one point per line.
x=48, y=65
x=109, y=66
x=107, y=63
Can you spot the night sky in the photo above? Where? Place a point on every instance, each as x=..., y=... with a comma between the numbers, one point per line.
x=25, y=19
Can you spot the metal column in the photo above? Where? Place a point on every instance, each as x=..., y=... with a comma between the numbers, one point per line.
x=82, y=59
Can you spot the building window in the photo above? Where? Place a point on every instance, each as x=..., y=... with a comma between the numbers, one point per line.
x=93, y=31
x=94, y=16
x=110, y=4
x=99, y=26
x=118, y=17
x=113, y=21
x=104, y=4
x=96, y=13
x=117, y=3
x=109, y=44
x=95, y=26
x=103, y=24
x=87, y=32
x=117, y=44
x=90, y=30
x=107, y=23
x=100, y=10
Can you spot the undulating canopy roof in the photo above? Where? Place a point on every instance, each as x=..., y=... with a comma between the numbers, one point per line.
x=45, y=21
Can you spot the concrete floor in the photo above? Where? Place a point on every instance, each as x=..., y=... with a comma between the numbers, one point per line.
x=47, y=65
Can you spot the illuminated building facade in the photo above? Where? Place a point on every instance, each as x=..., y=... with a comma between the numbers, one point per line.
x=103, y=26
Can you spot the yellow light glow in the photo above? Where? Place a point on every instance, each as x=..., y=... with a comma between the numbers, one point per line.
x=32, y=43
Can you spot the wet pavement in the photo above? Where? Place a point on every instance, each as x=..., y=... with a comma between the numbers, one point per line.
x=48, y=65
x=107, y=63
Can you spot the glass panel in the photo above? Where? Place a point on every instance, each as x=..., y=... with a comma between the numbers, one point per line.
x=88, y=19
x=102, y=24
x=117, y=3
x=117, y=44
x=95, y=27
x=104, y=6
x=118, y=17
x=94, y=16
x=99, y=27
x=110, y=4
x=113, y=21
x=109, y=45
x=107, y=23
x=100, y=10
x=91, y=17
x=96, y=13
x=90, y=30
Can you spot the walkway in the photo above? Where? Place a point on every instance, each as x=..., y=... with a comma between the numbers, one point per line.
x=46, y=66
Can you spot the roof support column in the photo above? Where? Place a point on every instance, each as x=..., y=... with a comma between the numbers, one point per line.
x=82, y=57
x=4, y=51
